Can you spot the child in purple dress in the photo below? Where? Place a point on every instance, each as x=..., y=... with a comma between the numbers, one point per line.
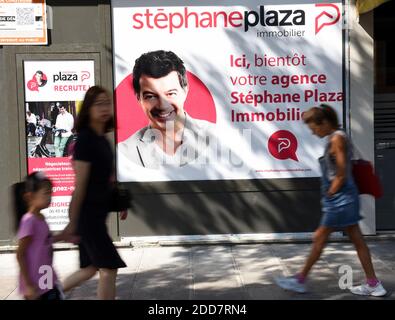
x=37, y=278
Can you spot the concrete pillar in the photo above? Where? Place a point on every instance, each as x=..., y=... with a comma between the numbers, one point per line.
x=362, y=100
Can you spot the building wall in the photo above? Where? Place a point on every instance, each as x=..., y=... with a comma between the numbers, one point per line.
x=362, y=101
x=8, y=132
x=82, y=29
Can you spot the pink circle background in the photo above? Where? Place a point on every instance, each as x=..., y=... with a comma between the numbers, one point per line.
x=131, y=118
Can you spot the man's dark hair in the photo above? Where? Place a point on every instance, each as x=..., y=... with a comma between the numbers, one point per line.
x=158, y=64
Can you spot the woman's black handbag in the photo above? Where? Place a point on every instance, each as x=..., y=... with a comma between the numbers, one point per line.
x=121, y=199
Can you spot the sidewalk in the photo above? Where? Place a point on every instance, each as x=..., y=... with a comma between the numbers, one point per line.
x=242, y=271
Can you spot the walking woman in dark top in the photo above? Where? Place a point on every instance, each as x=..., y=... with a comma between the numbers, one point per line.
x=93, y=165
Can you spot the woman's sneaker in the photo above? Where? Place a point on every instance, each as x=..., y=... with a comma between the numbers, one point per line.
x=290, y=283
x=366, y=290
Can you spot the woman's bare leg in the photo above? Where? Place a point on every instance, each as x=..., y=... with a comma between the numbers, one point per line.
x=106, y=289
x=79, y=277
x=356, y=237
x=320, y=238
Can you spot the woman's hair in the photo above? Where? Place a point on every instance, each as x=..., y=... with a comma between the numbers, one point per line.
x=84, y=114
x=320, y=114
x=32, y=183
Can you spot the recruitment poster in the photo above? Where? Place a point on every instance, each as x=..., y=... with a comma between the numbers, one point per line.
x=251, y=69
x=23, y=22
x=54, y=91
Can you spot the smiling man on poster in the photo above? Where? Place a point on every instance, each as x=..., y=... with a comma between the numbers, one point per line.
x=172, y=138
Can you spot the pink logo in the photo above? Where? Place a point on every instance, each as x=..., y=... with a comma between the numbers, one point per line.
x=85, y=75
x=324, y=15
x=32, y=85
x=283, y=145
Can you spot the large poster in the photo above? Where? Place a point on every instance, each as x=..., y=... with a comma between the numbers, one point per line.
x=251, y=72
x=23, y=22
x=54, y=91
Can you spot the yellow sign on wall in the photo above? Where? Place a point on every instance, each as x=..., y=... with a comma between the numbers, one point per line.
x=367, y=5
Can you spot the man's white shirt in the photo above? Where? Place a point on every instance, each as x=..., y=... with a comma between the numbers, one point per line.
x=142, y=147
x=31, y=119
x=201, y=156
x=65, y=121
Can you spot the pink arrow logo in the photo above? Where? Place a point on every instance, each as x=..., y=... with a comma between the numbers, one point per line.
x=324, y=15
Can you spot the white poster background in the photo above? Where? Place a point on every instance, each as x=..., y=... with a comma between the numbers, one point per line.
x=206, y=52
x=57, y=214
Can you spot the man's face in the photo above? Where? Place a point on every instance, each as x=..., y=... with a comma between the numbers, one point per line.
x=62, y=110
x=162, y=99
x=38, y=77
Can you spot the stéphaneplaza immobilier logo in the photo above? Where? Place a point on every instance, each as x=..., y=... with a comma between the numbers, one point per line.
x=170, y=20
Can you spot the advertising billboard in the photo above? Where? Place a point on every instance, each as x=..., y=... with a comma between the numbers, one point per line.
x=216, y=92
